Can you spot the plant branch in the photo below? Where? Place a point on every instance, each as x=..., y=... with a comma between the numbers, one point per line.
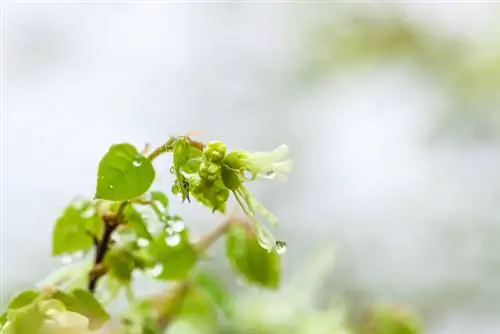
x=111, y=222
x=178, y=290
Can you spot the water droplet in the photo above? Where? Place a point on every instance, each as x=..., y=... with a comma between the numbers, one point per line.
x=66, y=259
x=141, y=242
x=169, y=230
x=248, y=175
x=136, y=163
x=78, y=255
x=155, y=271
x=111, y=186
x=177, y=226
x=115, y=238
x=172, y=170
x=87, y=214
x=269, y=174
x=173, y=240
x=281, y=247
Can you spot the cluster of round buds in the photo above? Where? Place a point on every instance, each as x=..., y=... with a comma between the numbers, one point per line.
x=213, y=155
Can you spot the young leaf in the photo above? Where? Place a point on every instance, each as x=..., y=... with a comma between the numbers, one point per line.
x=160, y=197
x=120, y=264
x=28, y=319
x=141, y=318
x=71, y=231
x=83, y=302
x=212, y=286
x=136, y=222
x=123, y=174
x=23, y=299
x=24, y=314
x=248, y=258
x=175, y=253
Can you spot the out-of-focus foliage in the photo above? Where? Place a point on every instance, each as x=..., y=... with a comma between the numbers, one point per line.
x=469, y=71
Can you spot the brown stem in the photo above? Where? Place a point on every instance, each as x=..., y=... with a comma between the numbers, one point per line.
x=102, y=248
x=110, y=224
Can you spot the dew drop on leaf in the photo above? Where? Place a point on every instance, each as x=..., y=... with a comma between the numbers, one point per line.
x=178, y=226
x=87, y=214
x=155, y=271
x=141, y=242
x=111, y=186
x=66, y=259
x=78, y=255
x=281, y=247
x=136, y=163
x=115, y=237
x=173, y=240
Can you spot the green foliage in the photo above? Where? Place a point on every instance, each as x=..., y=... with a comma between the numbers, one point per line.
x=390, y=320
x=71, y=231
x=47, y=312
x=132, y=231
x=123, y=174
x=249, y=259
x=174, y=253
x=84, y=303
x=136, y=222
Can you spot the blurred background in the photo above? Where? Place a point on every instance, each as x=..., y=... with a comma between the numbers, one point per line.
x=390, y=112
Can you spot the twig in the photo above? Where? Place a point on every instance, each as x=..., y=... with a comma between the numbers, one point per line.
x=102, y=247
x=111, y=222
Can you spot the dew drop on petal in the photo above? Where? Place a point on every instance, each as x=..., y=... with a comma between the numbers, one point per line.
x=281, y=247
x=173, y=240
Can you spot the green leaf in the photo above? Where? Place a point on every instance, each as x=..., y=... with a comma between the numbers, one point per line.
x=120, y=263
x=141, y=318
x=160, y=197
x=136, y=222
x=175, y=253
x=215, y=290
x=198, y=310
x=123, y=174
x=24, y=314
x=71, y=230
x=26, y=319
x=23, y=299
x=230, y=177
x=248, y=258
x=83, y=302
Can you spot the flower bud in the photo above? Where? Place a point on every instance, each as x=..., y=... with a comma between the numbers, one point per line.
x=236, y=160
x=209, y=171
x=215, y=151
